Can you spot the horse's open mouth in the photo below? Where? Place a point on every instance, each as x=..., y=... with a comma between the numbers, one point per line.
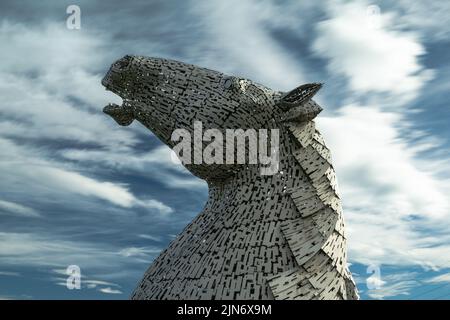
x=113, y=109
x=123, y=113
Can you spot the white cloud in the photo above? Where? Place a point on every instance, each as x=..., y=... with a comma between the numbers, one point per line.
x=39, y=250
x=368, y=145
x=160, y=155
x=245, y=40
x=440, y=278
x=375, y=282
x=61, y=271
x=35, y=89
x=62, y=64
x=154, y=204
x=156, y=164
x=37, y=113
x=73, y=182
x=51, y=92
x=138, y=252
x=85, y=282
x=395, y=194
x=95, y=283
x=374, y=59
x=110, y=290
x=429, y=18
x=392, y=285
x=7, y=207
x=385, y=184
x=390, y=202
x=52, y=43
x=150, y=237
x=56, y=253
x=51, y=88
x=49, y=178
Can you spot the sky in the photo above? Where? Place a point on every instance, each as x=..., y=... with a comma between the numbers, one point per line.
x=77, y=189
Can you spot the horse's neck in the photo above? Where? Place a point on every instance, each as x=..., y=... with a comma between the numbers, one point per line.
x=304, y=184
x=249, y=189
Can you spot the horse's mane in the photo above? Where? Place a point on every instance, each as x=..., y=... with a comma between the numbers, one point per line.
x=316, y=238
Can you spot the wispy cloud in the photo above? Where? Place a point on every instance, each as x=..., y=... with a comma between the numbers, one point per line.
x=51, y=101
x=50, y=177
x=110, y=290
x=169, y=172
x=392, y=196
x=138, y=252
x=440, y=278
x=30, y=249
x=397, y=284
x=7, y=207
x=18, y=297
x=150, y=237
x=369, y=52
x=86, y=282
x=9, y=273
x=430, y=19
x=85, y=175
x=246, y=46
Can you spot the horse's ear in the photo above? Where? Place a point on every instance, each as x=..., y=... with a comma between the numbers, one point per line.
x=298, y=105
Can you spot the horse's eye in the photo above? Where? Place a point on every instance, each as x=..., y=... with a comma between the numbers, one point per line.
x=228, y=83
x=123, y=63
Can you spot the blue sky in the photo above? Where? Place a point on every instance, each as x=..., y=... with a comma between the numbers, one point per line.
x=76, y=188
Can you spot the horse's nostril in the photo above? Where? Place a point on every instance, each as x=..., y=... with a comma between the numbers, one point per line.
x=122, y=63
